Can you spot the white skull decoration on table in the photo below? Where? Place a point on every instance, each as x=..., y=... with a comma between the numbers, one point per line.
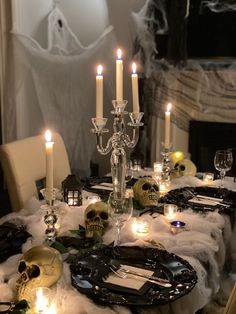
x=184, y=167
x=146, y=192
x=41, y=266
x=96, y=219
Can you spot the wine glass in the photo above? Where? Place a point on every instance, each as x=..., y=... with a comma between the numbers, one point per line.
x=223, y=162
x=120, y=209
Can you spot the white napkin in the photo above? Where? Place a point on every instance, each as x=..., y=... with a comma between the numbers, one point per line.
x=131, y=281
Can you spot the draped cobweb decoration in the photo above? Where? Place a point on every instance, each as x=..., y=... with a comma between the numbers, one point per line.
x=61, y=79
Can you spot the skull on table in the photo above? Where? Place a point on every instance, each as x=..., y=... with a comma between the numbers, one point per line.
x=41, y=266
x=146, y=192
x=96, y=219
x=184, y=167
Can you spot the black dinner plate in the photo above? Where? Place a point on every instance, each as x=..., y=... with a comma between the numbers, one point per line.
x=88, y=271
x=182, y=196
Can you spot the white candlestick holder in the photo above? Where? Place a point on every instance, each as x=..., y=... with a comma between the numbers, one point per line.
x=117, y=142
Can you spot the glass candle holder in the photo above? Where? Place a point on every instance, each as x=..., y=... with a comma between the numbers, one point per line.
x=208, y=178
x=177, y=226
x=157, y=168
x=164, y=187
x=92, y=199
x=170, y=211
x=140, y=227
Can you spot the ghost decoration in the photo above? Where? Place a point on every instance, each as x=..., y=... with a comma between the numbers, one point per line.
x=41, y=266
x=96, y=219
x=184, y=167
x=146, y=192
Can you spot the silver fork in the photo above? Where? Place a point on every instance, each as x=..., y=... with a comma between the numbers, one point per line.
x=124, y=273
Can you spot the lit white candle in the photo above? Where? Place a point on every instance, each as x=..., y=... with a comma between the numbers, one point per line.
x=99, y=93
x=167, y=126
x=119, y=76
x=134, y=79
x=49, y=165
x=170, y=211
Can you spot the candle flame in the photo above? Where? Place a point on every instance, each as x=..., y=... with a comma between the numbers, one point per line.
x=41, y=302
x=99, y=69
x=119, y=53
x=169, y=106
x=48, y=136
x=134, y=67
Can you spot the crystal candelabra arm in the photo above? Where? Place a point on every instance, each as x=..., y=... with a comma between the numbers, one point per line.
x=135, y=118
x=131, y=143
x=100, y=148
x=99, y=130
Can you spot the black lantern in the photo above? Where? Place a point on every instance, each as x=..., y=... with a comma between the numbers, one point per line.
x=72, y=190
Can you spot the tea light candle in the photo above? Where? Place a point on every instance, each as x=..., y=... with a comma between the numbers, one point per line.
x=40, y=300
x=177, y=226
x=92, y=199
x=140, y=228
x=208, y=177
x=164, y=187
x=157, y=168
x=170, y=211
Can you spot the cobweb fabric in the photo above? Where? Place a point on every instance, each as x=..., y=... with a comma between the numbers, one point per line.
x=62, y=81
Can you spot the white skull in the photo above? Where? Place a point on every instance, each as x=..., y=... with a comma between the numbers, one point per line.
x=41, y=266
x=184, y=167
x=96, y=219
x=146, y=192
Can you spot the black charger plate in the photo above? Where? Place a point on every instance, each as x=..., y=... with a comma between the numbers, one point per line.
x=88, y=271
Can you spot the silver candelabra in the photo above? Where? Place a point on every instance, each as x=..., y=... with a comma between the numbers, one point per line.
x=117, y=142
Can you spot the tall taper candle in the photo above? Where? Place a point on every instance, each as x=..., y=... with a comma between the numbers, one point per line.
x=119, y=76
x=167, y=126
x=49, y=165
x=99, y=92
x=134, y=79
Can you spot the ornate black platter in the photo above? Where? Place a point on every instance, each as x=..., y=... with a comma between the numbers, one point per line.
x=88, y=273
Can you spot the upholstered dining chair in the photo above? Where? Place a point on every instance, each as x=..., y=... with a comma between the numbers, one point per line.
x=24, y=164
x=231, y=304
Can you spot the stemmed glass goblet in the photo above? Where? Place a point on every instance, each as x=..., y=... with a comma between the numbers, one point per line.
x=120, y=209
x=223, y=162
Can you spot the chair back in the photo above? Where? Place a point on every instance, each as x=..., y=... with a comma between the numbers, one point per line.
x=231, y=304
x=24, y=163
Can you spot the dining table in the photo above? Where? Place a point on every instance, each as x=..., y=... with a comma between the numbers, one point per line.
x=203, y=247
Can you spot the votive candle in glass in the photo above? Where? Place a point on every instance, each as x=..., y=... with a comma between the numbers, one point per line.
x=170, y=211
x=140, y=227
x=208, y=177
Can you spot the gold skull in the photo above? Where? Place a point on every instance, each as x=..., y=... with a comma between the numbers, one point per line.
x=96, y=219
x=146, y=192
x=183, y=167
x=41, y=266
